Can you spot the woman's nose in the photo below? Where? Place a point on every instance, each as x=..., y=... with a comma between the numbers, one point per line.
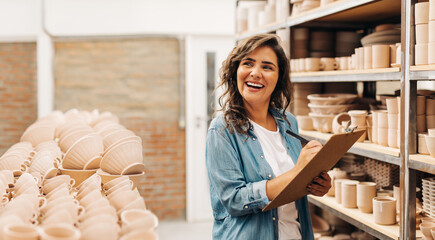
x=255, y=73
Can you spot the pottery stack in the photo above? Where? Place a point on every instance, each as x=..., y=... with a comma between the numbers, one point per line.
x=422, y=33
x=324, y=108
x=300, y=94
x=299, y=48
x=322, y=46
x=393, y=106
x=431, y=33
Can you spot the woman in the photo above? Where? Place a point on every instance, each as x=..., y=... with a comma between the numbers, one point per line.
x=248, y=155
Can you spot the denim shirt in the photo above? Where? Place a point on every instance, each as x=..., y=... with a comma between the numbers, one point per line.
x=238, y=174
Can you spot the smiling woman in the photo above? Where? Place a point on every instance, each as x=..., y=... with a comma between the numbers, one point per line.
x=248, y=155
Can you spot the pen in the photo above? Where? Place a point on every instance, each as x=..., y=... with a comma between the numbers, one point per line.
x=303, y=140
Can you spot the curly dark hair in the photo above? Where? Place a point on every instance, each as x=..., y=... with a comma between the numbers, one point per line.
x=231, y=102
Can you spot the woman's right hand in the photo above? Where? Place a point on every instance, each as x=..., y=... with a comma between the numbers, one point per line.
x=308, y=152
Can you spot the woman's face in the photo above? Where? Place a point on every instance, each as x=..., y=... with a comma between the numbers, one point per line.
x=257, y=76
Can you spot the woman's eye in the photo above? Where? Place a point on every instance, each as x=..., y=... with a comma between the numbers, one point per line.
x=247, y=64
x=267, y=67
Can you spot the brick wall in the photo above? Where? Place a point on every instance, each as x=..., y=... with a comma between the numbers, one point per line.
x=138, y=80
x=18, y=91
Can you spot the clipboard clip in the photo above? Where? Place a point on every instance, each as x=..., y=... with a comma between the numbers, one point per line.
x=350, y=130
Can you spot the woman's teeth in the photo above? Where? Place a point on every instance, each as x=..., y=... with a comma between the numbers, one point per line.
x=254, y=85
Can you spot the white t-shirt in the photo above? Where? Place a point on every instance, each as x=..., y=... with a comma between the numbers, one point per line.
x=276, y=155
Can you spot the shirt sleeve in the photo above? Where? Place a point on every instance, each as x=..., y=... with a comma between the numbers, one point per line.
x=226, y=177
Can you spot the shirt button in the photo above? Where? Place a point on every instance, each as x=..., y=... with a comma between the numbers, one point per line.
x=253, y=138
x=261, y=156
x=274, y=218
x=270, y=175
x=246, y=206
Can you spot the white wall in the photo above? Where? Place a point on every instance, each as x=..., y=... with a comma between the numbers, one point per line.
x=19, y=18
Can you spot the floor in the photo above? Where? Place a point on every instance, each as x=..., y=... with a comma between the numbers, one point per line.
x=182, y=230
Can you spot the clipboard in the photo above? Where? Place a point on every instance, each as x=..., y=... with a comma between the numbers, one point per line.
x=324, y=160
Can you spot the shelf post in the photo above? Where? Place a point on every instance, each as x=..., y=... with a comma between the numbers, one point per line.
x=407, y=136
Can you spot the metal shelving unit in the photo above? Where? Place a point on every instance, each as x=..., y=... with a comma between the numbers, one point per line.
x=345, y=13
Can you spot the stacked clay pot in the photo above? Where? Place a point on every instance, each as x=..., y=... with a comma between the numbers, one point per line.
x=324, y=108
x=36, y=202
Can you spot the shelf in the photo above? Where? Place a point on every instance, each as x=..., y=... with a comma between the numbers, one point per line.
x=423, y=163
x=264, y=29
x=361, y=11
x=366, y=149
x=345, y=11
x=364, y=221
x=381, y=74
x=423, y=72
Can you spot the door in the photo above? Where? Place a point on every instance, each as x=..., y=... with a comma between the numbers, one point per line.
x=204, y=56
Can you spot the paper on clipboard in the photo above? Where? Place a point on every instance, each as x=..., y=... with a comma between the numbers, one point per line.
x=324, y=160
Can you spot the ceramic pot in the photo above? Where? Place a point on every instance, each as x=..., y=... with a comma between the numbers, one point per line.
x=348, y=193
x=335, y=173
x=421, y=123
x=358, y=117
x=366, y=191
x=421, y=13
x=384, y=210
x=337, y=183
x=368, y=57
x=430, y=105
x=382, y=135
x=381, y=56
x=392, y=138
x=421, y=105
x=422, y=147
x=305, y=122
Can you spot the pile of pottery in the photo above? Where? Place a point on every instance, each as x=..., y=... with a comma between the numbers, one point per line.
x=33, y=208
x=324, y=108
x=379, y=50
x=386, y=124
x=252, y=16
x=425, y=125
x=88, y=149
x=428, y=223
x=425, y=33
x=300, y=6
x=362, y=195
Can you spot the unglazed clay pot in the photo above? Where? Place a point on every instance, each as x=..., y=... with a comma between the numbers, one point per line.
x=305, y=122
x=358, y=117
x=384, y=210
x=337, y=184
x=366, y=191
x=322, y=123
x=348, y=193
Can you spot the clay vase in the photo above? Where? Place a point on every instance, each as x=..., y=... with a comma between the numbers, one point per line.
x=384, y=210
x=348, y=193
x=366, y=191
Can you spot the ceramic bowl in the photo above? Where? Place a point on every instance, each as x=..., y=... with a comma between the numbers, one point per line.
x=78, y=175
x=124, y=158
x=305, y=122
x=38, y=134
x=331, y=99
x=330, y=109
x=430, y=143
x=322, y=123
x=69, y=139
x=114, y=136
x=84, y=149
x=135, y=178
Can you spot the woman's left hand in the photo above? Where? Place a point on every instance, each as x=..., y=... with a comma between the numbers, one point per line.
x=320, y=185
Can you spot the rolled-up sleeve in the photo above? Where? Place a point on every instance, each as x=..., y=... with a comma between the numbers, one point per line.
x=224, y=168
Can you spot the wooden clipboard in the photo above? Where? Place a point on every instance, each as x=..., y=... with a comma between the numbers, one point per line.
x=324, y=160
